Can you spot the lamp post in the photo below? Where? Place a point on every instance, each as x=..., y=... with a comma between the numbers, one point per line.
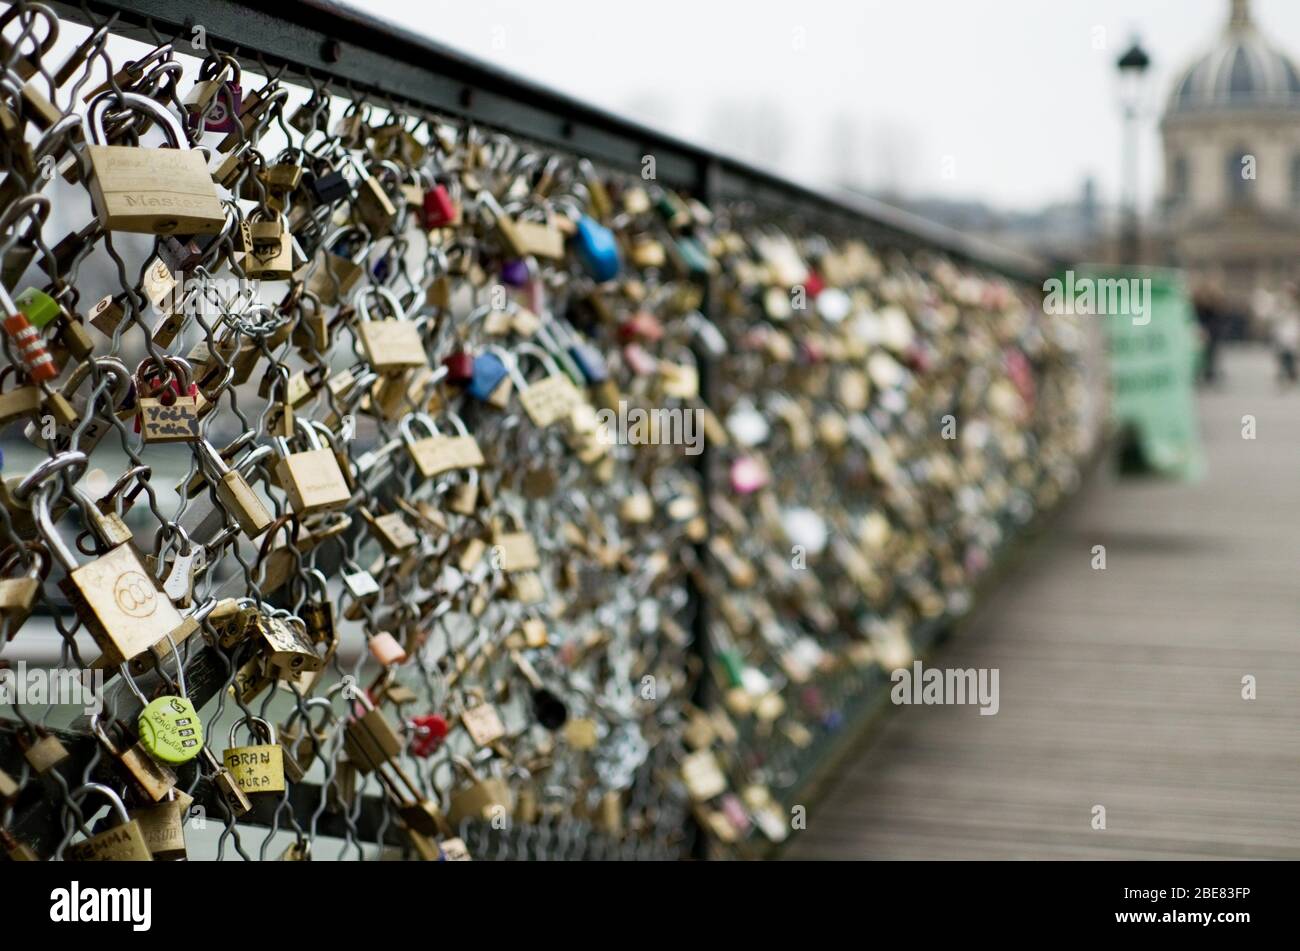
x=1133, y=66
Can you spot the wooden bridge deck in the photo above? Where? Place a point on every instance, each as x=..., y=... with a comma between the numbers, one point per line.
x=1122, y=687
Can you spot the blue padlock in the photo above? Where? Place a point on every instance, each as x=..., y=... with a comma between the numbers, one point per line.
x=591, y=362
x=489, y=371
x=597, y=249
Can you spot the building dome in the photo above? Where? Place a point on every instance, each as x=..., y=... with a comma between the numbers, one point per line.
x=1243, y=71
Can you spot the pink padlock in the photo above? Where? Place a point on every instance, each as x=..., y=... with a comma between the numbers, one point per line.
x=639, y=360
x=386, y=650
x=748, y=475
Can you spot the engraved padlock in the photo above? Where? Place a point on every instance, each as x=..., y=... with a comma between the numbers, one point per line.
x=150, y=191
x=113, y=595
x=258, y=768
x=124, y=842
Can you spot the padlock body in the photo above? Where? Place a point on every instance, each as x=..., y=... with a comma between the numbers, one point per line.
x=154, y=191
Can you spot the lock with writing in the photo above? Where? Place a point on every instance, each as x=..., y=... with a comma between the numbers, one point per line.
x=113, y=595
x=258, y=768
x=163, y=825
x=435, y=453
x=150, y=191
x=392, y=345
x=169, y=402
x=311, y=478
x=124, y=842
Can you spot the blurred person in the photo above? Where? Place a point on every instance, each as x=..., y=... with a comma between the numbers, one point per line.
x=1286, y=333
x=1210, y=316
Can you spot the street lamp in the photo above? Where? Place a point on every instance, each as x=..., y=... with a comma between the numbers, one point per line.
x=1133, y=66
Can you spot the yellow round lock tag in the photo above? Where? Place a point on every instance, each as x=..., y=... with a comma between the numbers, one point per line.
x=170, y=729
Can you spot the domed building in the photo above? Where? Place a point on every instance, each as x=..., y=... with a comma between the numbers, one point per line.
x=1231, y=133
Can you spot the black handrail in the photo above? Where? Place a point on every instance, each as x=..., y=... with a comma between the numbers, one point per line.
x=350, y=50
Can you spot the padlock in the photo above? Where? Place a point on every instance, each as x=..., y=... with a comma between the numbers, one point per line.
x=18, y=594
x=597, y=249
x=170, y=728
x=490, y=374
x=150, y=191
x=45, y=753
x=225, y=96
x=124, y=842
x=392, y=345
x=514, y=550
x=435, y=453
x=20, y=402
x=301, y=747
x=370, y=740
x=481, y=721
x=172, y=415
x=235, y=494
x=391, y=530
x=92, y=430
x=312, y=479
x=285, y=644
x=163, y=825
x=481, y=800
x=271, y=259
x=150, y=777
x=373, y=206
x=36, y=360
x=523, y=238
x=226, y=784
x=439, y=208
x=551, y=398
x=258, y=768
x=113, y=595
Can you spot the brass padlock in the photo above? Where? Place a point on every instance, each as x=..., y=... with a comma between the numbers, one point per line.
x=236, y=495
x=258, y=768
x=18, y=594
x=481, y=799
x=163, y=825
x=435, y=453
x=150, y=191
x=150, y=777
x=392, y=345
x=312, y=479
x=113, y=595
x=370, y=740
x=285, y=644
x=123, y=843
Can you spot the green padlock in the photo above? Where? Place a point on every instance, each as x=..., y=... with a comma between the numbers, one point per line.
x=170, y=729
x=37, y=306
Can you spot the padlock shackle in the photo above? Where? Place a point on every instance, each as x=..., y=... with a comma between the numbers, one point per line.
x=134, y=101
x=114, y=800
x=252, y=720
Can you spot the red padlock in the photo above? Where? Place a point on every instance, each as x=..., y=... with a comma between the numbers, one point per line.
x=439, y=209
x=642, y=325
x=460, y=367
x=430, y=730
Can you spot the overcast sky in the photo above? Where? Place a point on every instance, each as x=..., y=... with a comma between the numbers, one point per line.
x=1009, y=101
